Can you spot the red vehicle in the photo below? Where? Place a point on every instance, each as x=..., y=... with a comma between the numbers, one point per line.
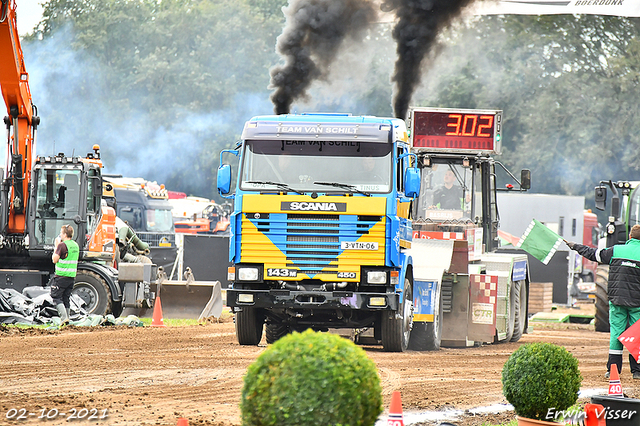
x=195, y=215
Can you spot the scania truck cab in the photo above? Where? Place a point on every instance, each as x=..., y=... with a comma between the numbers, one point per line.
x=321, y=226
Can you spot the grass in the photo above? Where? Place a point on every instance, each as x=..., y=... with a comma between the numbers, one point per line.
x=172, y=322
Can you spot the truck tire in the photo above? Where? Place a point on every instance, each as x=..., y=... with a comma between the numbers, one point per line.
x=602, y=300
x=520, y=310
x=274, y=331
x=426, y=336
x=94, y=291
x=249, y=324
x=397, y=331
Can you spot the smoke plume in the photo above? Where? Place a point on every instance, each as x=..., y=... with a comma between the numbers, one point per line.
x=313, y=34
x=419, y=22
x=76, y=109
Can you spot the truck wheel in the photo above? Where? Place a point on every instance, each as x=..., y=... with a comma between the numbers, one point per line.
x=520, y=310
x=94, y=291
x=396, y=331
x=249, y=324
x=426, y=336
x=275, y=331
x=602, y=300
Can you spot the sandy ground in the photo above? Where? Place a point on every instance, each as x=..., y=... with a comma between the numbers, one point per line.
x=153, y=376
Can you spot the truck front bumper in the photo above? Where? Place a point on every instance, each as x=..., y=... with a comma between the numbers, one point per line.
x=330, y=300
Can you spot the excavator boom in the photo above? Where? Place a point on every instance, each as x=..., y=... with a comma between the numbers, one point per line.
x=21, y=122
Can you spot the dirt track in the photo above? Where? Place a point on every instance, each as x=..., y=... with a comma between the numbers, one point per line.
x=152, y=376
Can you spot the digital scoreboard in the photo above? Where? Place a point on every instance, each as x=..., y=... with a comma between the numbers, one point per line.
x=456, y=130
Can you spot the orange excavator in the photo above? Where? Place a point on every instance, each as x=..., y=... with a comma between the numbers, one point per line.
x=39, y=194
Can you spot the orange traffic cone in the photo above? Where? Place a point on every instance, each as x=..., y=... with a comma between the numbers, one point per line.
x=157, y=321
x=594, y=415
x=615, y=387
x=183, y=422
x=395, y=410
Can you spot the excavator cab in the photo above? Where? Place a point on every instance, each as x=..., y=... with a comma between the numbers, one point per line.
x=66, y=191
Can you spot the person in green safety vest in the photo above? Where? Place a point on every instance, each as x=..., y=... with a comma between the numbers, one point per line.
x=65, y=259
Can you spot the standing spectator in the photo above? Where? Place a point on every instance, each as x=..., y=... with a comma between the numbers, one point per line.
x=623, y=291
x=65, y=259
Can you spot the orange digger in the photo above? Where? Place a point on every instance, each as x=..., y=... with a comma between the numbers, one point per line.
x=39, y=194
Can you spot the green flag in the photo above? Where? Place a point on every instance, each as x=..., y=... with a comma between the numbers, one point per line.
x=540, y=241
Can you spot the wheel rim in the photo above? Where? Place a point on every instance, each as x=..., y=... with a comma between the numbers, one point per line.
x=408, y=318
x=436, y=321
x=87, y=294
x=523, y=307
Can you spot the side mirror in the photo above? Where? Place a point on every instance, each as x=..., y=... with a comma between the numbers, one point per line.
x=224, y=179
x=412, y=182
x=97, y=191
x=601, y=197
x=525, y=179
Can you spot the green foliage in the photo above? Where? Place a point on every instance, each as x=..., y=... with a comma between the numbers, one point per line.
x=540, y=376
x=311, y=379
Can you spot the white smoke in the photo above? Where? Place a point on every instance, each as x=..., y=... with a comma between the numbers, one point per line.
x=78, y=110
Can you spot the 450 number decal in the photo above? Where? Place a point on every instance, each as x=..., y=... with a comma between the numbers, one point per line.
x=346, y=274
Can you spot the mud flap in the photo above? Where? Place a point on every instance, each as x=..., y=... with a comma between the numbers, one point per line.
x=431, y=258
x=482, y=316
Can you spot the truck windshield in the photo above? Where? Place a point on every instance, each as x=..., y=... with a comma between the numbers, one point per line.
x=446, y=192
x=275, y=165
x=159, y=220
x=634, y=208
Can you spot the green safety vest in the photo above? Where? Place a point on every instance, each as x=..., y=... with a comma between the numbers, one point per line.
x=68, y=266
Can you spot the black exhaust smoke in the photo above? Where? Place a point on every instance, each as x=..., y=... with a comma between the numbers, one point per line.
x=313, y=34
x=419, y=22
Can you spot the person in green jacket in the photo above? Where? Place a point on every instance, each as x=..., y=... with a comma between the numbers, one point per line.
x=623, y=291
x=65, y=259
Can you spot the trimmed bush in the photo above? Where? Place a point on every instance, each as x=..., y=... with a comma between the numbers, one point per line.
x=310, y=379
x=540, y=376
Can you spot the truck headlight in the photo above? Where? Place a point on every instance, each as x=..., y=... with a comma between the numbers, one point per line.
x=247, y=274
x=376, y=277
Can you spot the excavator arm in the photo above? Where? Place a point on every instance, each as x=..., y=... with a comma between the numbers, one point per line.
x=21, y=124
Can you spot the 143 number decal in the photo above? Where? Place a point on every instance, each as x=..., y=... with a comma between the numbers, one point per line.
x=281, y=272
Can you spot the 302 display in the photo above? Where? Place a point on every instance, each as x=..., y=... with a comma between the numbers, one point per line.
x=445, y=129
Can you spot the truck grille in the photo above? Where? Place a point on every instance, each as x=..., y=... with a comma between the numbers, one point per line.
x=310, y=242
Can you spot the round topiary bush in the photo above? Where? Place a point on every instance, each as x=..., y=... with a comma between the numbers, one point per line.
x=310, y=379
x=538, y=377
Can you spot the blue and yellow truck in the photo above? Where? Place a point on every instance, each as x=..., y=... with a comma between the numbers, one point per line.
x=322, y=233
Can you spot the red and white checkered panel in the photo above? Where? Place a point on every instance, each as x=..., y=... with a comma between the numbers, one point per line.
x=486, y=286
x=433, y=235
